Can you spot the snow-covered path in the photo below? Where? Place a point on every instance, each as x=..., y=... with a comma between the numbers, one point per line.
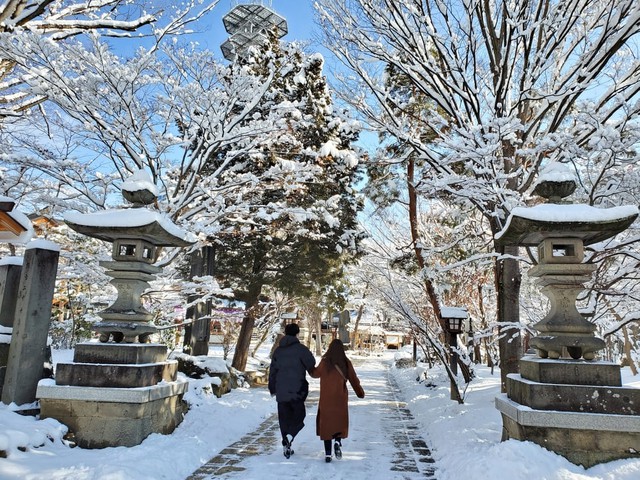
x=384, y=441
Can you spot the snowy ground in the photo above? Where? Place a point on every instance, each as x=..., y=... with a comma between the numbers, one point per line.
x=464, y=439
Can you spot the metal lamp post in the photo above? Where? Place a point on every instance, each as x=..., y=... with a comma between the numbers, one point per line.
x=454, y=323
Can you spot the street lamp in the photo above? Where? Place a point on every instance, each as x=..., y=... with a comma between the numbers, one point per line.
x=455, y=325
x=453, y=318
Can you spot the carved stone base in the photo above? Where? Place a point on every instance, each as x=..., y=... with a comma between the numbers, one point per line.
x=575, y=408
x=115, y=394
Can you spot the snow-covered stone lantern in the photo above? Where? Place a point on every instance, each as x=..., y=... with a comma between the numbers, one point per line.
x=563, y=398
x=137, y=235
x=95, y=394
x=560, y=232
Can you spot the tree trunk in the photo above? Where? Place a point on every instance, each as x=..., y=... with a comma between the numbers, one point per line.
x=196, y=267
x=318, y=321
x=197, y=334
x=508, y=279
x=416, y=241
x=276, y=344
x=627, y=352
x=241, y=354
x=354, y=337
x=263, y=338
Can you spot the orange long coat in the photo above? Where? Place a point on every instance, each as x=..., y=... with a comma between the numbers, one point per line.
x=333, y=408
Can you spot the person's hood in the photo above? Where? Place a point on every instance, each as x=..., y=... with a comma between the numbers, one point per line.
x=288, y=340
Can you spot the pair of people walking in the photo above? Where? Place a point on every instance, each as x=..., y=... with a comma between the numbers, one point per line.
x=287, y=381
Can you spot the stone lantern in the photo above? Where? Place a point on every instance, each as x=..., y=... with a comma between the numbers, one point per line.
x=123, y=372
x=560, y=232
x=564, y=399
x=137, y=235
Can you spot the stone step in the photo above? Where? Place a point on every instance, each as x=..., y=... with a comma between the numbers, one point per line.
x=574, y=398
x=118, y=353
x=113, y=375
x=572, y=372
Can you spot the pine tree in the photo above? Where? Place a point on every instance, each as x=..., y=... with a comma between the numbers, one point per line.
x=293, y=225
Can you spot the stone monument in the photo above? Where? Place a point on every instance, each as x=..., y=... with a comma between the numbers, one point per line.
x=564, y=399
x=122, y=388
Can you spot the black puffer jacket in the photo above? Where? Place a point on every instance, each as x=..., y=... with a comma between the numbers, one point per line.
x=289, y=365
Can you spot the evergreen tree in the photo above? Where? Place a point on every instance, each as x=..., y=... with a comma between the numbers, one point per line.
x=293, y=225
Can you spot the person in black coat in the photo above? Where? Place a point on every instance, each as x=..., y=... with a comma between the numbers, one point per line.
x=288, y=382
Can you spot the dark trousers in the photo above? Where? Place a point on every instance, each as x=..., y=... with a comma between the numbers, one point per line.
x=291, y=417
x=327, y=444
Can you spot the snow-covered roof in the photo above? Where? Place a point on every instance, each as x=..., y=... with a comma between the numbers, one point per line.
x=453, y=312
x=371, y=329
x=21, y=230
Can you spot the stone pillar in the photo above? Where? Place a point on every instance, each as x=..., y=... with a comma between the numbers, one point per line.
x=343, y=333
x=9, y=278
x=28, y=350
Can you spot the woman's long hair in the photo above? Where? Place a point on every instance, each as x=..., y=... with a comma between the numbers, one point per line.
x=335, y=355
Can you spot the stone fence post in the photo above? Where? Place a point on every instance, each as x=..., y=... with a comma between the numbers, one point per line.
x=28, y=350
x=9, y=279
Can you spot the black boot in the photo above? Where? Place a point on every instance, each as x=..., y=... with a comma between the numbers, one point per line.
x=337, y=448
x=286, y=446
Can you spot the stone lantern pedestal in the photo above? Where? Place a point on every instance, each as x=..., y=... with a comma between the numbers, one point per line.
x=121, y=389
x=115, y=395
x=575, y=408
x=564, y=399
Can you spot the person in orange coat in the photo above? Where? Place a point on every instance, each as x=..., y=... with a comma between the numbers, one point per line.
x=332, y=422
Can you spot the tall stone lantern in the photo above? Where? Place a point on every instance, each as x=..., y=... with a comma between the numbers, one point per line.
x=564, y=399
x=122, y=388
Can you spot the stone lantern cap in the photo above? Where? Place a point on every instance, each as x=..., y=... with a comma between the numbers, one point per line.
x=137, y=223
x=529, y=226
x=129, y=223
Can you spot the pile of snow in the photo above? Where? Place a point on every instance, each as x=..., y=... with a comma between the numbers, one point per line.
x=24, y=433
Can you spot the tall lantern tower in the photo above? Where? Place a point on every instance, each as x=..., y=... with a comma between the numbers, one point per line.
x=248, y=24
